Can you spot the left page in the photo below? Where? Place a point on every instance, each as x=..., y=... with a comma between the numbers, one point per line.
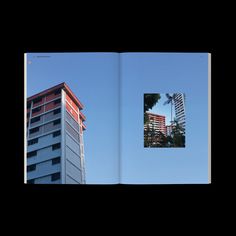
x=71, y=118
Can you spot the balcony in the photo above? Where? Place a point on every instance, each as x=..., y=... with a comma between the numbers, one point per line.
x=82, y=116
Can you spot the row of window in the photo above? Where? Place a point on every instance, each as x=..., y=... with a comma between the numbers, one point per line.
x=56, y=133
x=39, y=99
x=35, y=140
x=34, y=153
x=182, y=114
x=36, y=129
x=35, y=119
x=55, y=161
x=179, y=105
x=37, y=109
x=54, y=177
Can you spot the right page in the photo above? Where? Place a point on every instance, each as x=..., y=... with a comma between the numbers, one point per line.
x=165, y=118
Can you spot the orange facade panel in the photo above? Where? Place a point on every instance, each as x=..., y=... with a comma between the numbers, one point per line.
x=38, y=112
x=51, y=106
x=82, y=116
x=38, y=103
x=69, y=100
x=83, y=126
x=71, y=111
x=52, y=96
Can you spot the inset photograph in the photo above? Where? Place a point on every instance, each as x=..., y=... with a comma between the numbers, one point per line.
x=164, y=120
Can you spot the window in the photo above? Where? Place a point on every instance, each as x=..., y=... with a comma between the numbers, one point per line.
x=57, y=101
x=58, y=91
x=31, y=168
x=33, y=141
x=57, y=111
x=36, y=110
x=56, y=122
x=31, y=181
x=37, y=100
x=31, y=154
x=56, y=146
x=28, y=114
x=34, y=130
x=56, y=133
x=56, y=160
x=33, y=120
x=55, y=176
x=28, y=105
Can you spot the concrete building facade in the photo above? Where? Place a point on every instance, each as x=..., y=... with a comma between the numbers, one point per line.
x=156, y=122
x=179, y=104
x=55, y=147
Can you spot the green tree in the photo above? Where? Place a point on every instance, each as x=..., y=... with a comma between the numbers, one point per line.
x=170, y=100
x=150, y=101
x=162, y=140
x=178, y=134
x=169, y=141
x=148, y=136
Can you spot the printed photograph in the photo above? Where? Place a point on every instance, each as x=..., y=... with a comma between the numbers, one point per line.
x=164, y=120
x=65, y=100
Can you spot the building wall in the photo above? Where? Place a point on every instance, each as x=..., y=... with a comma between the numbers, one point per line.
x=157, y=122
x=73, y=163
x=44, y=117
x=42, y=141
x=51, y=106
x=179, y=103
x=69, y=166
x=46, y=179
x=44, y=128
x=43, y=155
x=43, y=169
x=52, y=97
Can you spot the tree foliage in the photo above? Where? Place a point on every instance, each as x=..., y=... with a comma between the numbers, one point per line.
x=150, y=101
x=178, y=134
x=153, y=138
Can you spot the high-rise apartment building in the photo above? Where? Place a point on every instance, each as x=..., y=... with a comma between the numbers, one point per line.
x=55, y=147
x=179, y=103
x=169, y=129
x=156, y=122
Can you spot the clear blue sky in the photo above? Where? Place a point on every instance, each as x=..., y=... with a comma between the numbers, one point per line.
x=93, y=77
x=164, y=73
x=164, y=110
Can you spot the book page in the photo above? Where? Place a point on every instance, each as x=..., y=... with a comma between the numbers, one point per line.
x=165, y=118
x=72, y=116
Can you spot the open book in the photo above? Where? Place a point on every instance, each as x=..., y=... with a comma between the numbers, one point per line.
x=109, y=118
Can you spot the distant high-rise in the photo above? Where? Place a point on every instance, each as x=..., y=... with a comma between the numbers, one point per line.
x=55, y=147
x=156, y=122
x=169, y=130
x=179, y=103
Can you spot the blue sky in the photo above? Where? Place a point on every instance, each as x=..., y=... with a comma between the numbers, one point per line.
x=93, y=77
x=164, y=110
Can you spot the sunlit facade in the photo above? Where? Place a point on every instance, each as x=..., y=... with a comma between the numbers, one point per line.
x=55, y=147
